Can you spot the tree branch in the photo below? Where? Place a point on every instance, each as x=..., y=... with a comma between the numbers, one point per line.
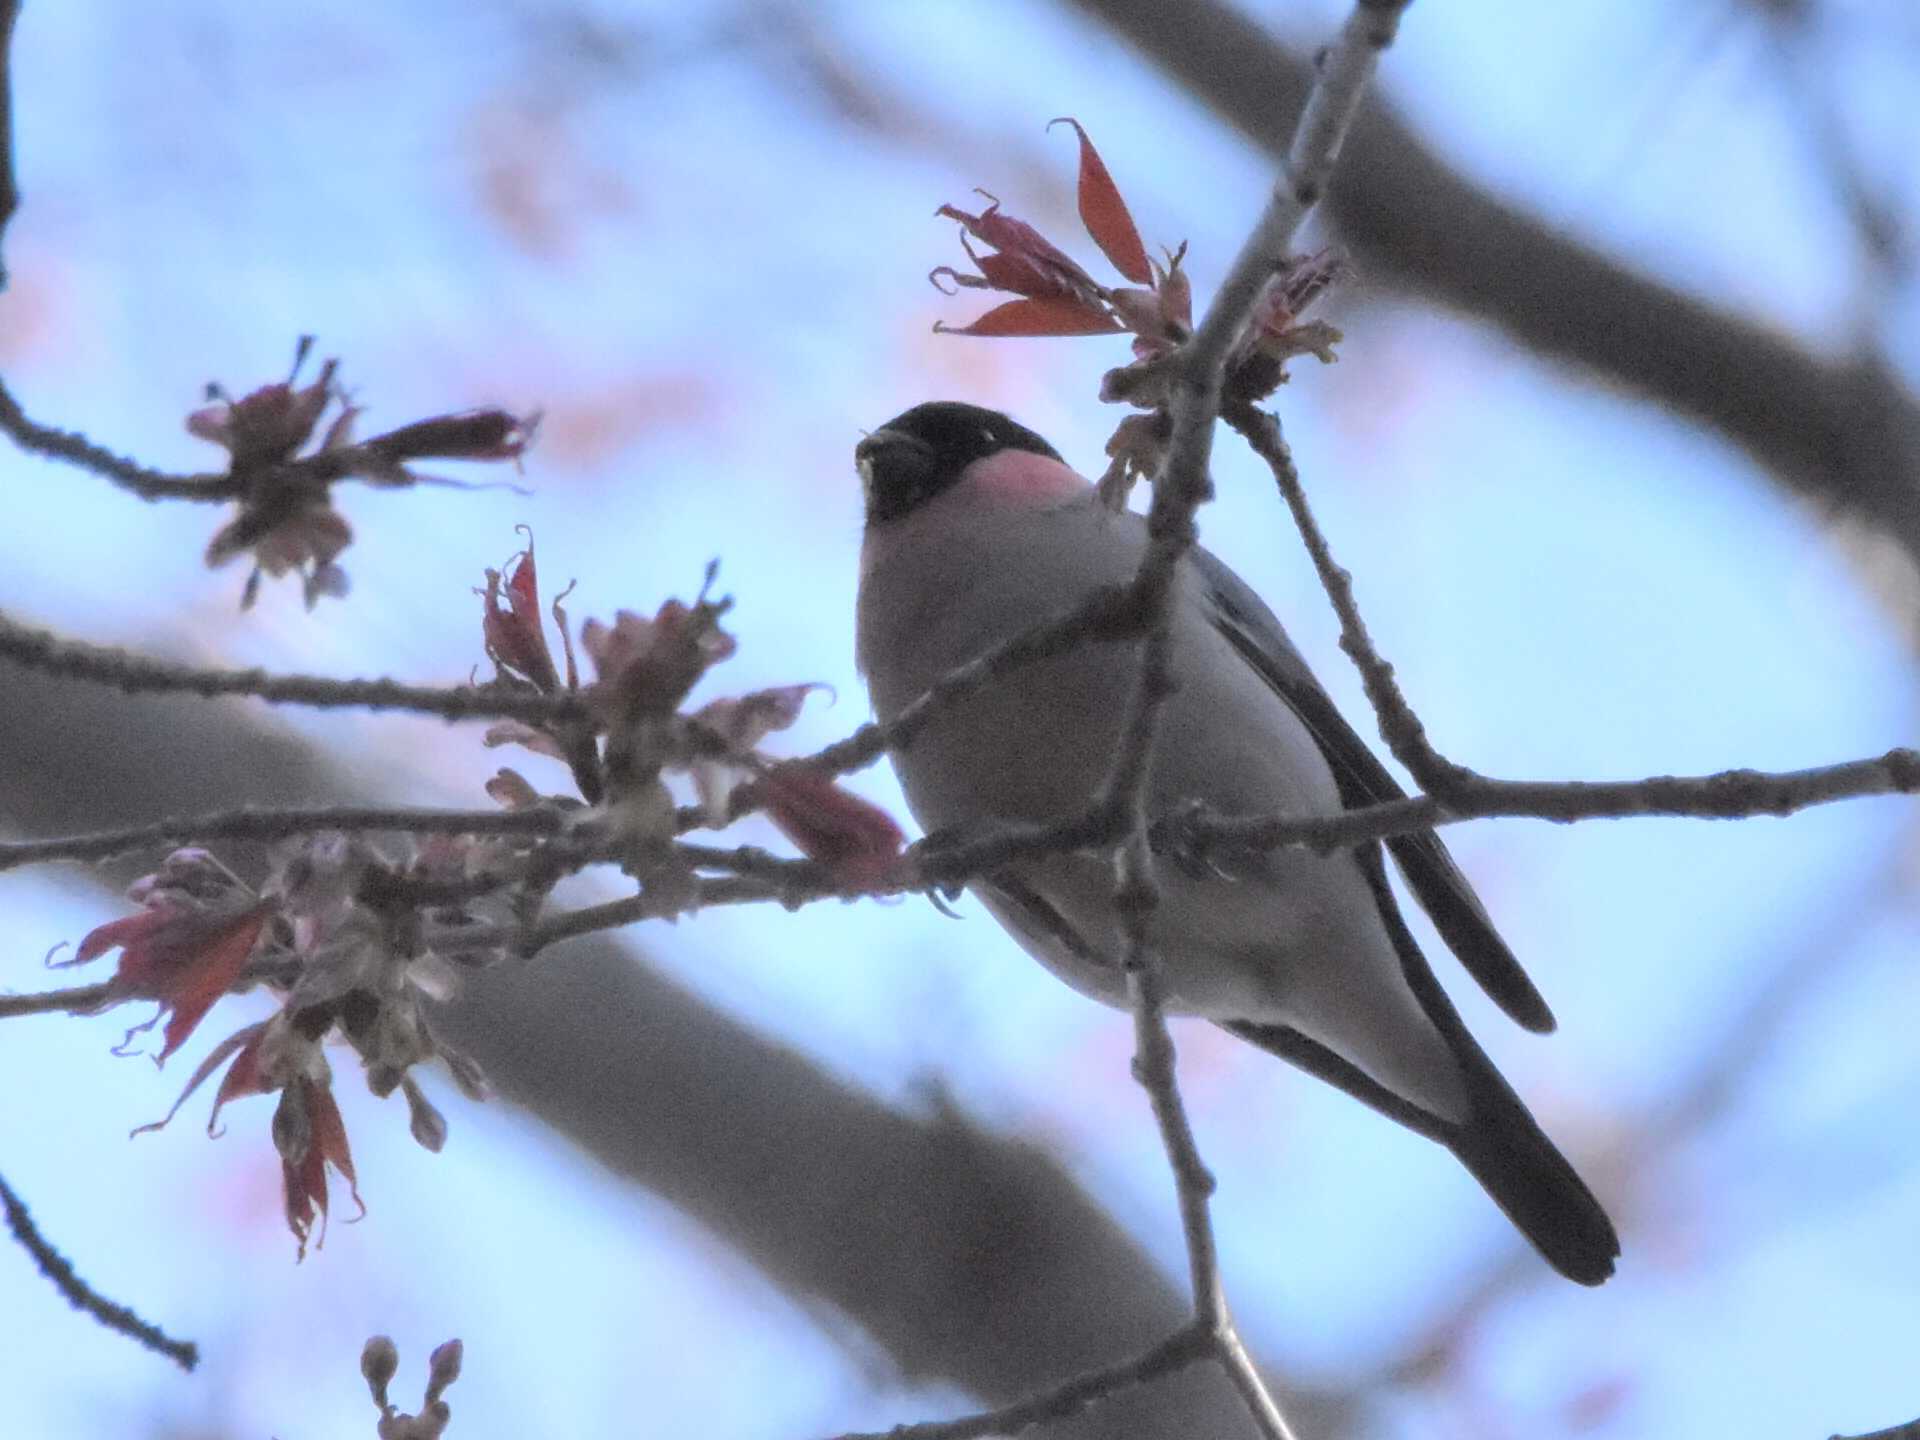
x=1724, y=795
x=268, y=825
x=82, y=1296
x=1106, y=615
x=132, y=673
x=1181, y=487
x=75, y=1000
x=75, y=449
x=1179, y=1350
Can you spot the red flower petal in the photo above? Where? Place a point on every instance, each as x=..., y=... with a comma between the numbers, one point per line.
x=1045, y=316
x=469, y=435
x=1029, y=263
x=1105, y=214
x=128, y=930
x=242, y=1079
x=306, y=1178
x=513, y=635
x=185, y=959
x=853, y=838
x=202, y=979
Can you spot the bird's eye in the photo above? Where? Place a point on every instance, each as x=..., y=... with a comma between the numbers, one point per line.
x=986, y=434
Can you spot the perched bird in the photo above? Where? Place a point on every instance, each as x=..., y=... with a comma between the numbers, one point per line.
x=976, y=531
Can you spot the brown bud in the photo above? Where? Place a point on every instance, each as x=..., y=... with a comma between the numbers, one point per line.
x=379, y=1359
x=443, y=1368
x=428, y=1124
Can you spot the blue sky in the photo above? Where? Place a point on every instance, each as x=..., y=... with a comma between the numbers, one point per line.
x=710, y=281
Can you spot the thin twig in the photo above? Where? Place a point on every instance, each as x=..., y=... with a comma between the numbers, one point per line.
x=699, y=893
x=279, y=825
x=1399, y=726
x=82, y=1296
x=1724, y=795
x=125, y=670
x=279, y=968
x=1182, y=485
x=76, y=1000
x=1104, y=616
x=76, y=449
x=1179, y=1350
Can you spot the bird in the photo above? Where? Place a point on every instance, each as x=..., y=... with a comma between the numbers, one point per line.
x=976, y=531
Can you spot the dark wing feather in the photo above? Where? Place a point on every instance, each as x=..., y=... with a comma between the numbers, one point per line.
x=1250, y=627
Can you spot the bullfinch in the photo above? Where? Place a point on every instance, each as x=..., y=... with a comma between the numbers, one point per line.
x=975, y=532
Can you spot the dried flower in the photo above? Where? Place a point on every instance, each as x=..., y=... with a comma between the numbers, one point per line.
x=286, y=517
x=1057, y=297
x=856, y=840
x=379, y=1361
x=736, y=726
x=177, y=953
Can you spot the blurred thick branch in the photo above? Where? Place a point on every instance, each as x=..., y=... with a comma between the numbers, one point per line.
x=1843, y=433
x=1908, y=1431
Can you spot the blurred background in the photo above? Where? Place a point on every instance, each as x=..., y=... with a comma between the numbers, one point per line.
x=1623, y=450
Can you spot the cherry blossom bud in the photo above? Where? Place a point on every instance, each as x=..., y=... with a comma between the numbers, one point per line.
x=379, y=1361
x=443, y=1368
x=429, y=1126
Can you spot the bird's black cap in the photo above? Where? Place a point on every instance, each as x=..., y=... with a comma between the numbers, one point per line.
x=920, y=452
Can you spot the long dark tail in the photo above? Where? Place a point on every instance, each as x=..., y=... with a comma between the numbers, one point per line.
x=1504, y=1148
x=1500, y=1143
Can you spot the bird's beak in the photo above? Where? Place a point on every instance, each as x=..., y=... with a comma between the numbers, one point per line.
x=889, y=448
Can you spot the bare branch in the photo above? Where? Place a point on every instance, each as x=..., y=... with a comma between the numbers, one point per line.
x=130, y=672
x=280, y=825
x=1182, y=485
x=82, y=1296
x=1725, y=795
x=77, y=1000
x=75, y=449
x=1176, y=1352
x=1104, y=616
x=1399, y=726
x=699, y=893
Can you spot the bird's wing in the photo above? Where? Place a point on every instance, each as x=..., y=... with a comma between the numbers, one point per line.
x=1253, y=631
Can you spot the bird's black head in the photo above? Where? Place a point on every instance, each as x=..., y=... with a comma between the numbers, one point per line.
x=919, y=453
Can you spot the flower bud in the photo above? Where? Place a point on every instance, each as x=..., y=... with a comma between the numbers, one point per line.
x=379, y=1359
x=443, y=1368
x=428, y=1124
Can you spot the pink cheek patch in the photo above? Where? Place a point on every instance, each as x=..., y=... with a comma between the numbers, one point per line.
x=1019, y=477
